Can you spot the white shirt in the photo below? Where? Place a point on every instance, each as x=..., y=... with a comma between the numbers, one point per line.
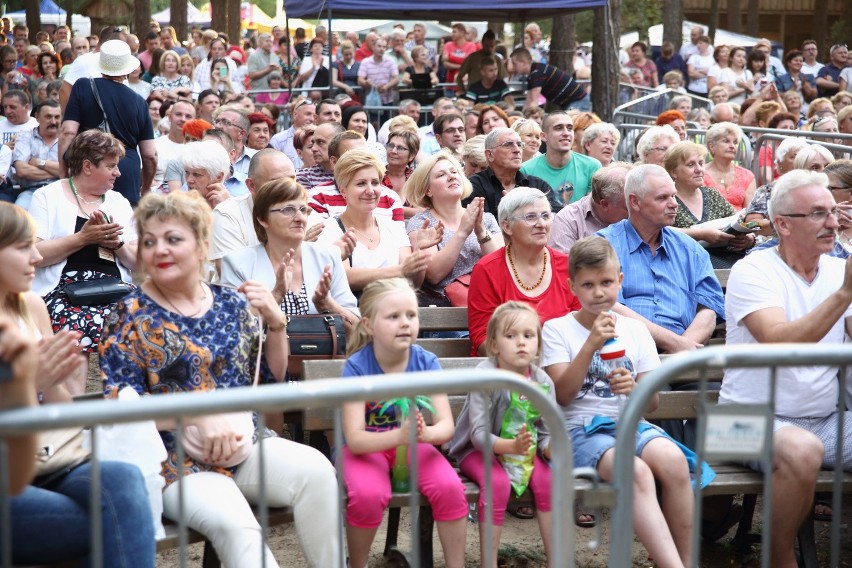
x=9, y=130
x=167, y=150
x=812, y=69
x=392, y=238
x=233, y=227
x=563, y=338
x=763, y=280
x=56, y=216
x=700, y=62
x=85, y=66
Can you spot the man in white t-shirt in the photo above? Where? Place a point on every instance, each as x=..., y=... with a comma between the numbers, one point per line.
x=171, y=147
x=794, y=293
x=811, y=66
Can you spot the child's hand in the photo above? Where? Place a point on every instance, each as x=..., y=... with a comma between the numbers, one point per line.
x=621, y=381
x=523, y=441
x=404, y=432
x=424, y=432
x=603, y=328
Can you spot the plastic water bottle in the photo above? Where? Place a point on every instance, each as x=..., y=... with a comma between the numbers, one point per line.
x=614, y=356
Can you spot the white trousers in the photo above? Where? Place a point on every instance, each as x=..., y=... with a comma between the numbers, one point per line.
x=297, y=476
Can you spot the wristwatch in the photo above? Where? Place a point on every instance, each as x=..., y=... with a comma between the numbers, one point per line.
x=485, y=239
x=41, y=163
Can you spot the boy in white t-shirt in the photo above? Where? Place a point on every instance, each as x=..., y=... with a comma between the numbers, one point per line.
x=586, y=389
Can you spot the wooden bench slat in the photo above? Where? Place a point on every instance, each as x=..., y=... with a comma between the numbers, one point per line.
x=443, y=319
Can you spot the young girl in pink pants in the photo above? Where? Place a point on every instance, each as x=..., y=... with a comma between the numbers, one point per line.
x=383, y=342
x=513, y=342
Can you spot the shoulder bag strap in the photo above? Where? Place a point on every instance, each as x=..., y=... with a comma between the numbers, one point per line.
x=100, y=106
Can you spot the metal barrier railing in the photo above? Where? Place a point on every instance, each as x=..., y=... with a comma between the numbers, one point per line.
x=300, y=396
x=648, y=107
x=739, y=356
x=771, y=137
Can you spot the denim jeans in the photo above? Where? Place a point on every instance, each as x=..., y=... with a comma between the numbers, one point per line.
x=52, y=524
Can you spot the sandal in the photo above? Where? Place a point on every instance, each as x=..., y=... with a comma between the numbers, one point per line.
x=521, y=511
x=826, y=511
x=582, y=519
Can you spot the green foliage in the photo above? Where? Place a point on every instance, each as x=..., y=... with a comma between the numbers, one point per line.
x=639, y=15
x=404, y=405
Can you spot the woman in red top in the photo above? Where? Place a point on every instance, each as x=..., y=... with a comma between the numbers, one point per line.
x=526, y=269
x=639, y=60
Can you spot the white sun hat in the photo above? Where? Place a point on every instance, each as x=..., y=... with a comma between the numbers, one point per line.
x=116, y=59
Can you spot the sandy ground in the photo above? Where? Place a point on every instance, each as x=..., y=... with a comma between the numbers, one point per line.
x=521, y=543
x=521, y=547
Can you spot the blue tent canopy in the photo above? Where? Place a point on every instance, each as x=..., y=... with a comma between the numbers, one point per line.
x=515, y=10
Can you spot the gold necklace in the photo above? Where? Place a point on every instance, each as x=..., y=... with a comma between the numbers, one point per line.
x=363, y=234
x=517, y=276
x=174, y=307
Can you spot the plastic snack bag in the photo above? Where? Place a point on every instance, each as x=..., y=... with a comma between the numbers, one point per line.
x=519, y=467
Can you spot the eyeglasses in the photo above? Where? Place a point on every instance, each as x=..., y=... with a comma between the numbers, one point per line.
x=836, y=188
x=303, y=103
x=457, y=130
x=837, y=46
x=658, y=149
x=226, y=122
x=532, y=219
x=512, y=144
x=815, y=216
x=289, y=211
x=395, y=148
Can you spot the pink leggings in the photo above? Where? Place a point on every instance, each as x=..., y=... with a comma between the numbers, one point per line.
x=473, y=466
x=368, y=485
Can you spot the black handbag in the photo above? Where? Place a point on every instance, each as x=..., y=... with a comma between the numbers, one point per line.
x=97, y=292
x=314, y=336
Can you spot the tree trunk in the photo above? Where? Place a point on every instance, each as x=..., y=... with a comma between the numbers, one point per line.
x=219, y=15
x=605, y=63
x=234, y=22
x=563, y=42
x=178, y=18
x=33, y=20
x=821, y=29
x=673, y=22
x=753, y=19
x=714, y=20
x=141, y=20
x=734, y=20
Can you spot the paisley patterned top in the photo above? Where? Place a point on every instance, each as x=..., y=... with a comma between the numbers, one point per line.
x=156, y=351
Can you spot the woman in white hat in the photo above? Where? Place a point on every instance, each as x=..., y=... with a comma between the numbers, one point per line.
x=123, y=116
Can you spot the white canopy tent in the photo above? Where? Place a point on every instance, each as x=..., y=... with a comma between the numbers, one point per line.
x=723, y=37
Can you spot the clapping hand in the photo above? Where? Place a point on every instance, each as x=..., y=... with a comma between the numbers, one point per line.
x=323, y=288
x=261, y=301
x=98, y=230
x=59, y=355
x=346, y=243
x=284, y=275
x=427, y=236
x=313, y=233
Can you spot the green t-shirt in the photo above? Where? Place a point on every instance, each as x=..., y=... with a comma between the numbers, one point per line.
x=578, y=172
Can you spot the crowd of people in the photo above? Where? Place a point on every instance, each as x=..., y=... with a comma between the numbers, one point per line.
x=158, y=167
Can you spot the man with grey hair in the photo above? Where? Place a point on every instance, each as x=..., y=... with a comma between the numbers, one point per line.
x=669, y=283
x=722, y=112
x=503, y=153
x=691, y=48
x=408, y=107
x=262, y=62
x=233, y=120
x=604, y=206
x=419, y=31
x=794, y=293
x=397, y=52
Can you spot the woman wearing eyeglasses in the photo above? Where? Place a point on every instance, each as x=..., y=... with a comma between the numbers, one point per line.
x=280, y=218
x=526, y=269
x=402, y=148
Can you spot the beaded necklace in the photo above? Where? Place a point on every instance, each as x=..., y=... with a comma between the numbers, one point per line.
x=517, y=276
